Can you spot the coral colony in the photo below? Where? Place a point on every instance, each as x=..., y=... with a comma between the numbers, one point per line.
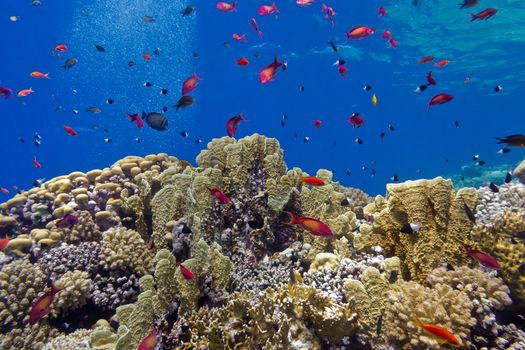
x=155, y=253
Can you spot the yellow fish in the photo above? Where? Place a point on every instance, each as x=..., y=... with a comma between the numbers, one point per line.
x=374, y=100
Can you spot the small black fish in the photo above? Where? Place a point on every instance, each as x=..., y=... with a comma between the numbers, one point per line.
x=195, y=54
x=382, y=135
x=198, y=141
x=149, y=19
x=156, y=51
x=21, y=140
x=186, y=229
x=373, y=172
x=504, y=150
x=100, y=48
x=184, y=101
x=346, y=202
x=164, y=109
x=475, y=157
x=110, y=101
x=132, y=64
x=480, y=163
x=156, y=121
x=106, y=130
x=301, y=88
x=137, y=139
x=348, y=172
x=184, y=134
x=421, y=88
x=493, y=187
x=147, y=84
x=69, y=220
x=306, y=139
x=516, y=140
x=285, y=116
x=469, y=213
x=282, y=123
x=163, y=91
x=498, y=88
x=284, y=66
x=334, y=47
x=446, y=160
x=367, y=87
x=75, y=111
x=70, y=62
x=107, y=140
x=187, y=11
x=456, y=124
x=38, y=182
x=462, y=178
x=335, y=143
x=339, y=62
x=393, y=277
x=37, y=136
x=508, y=177
x=391, y=127
x=418, y=171
x=295, y=135
x=38, y=142
x=410, y=228
x=395, y=178
x=449, y=267
x=358, y=141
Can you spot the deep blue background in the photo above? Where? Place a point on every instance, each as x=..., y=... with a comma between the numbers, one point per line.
x=487, y=51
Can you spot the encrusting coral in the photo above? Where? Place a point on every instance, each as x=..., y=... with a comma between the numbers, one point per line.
x=252, y=281
x=444, y=224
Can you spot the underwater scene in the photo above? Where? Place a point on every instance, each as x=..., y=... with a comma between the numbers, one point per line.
x=259, y=175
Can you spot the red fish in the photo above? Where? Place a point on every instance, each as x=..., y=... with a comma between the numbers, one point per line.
x=238, y=37
x=330, y=13
x=146, y=56
x=42, y=307
x=4, y=190
x=242, y=61
x=149, y=342
x=36, y=163
x=440, y=332
x=483, y=258
x=232, y=123
x=312, y=180
x=25, y=92
x=304, y=3
x=426, y=59
x=439, y=99
x=386, y=34
x=314, y=226
x=381, y=11
x=267, y=74
x=226, y=7
x=359, y=32
x=61, y=47
x=431, y=79
x=356, y=120
x=265, y=10
x=442, y=63
x=186, y=273
x=256, y=27
x=342, y=70
x=39, y=75
x=221, y=197
x=190, y=84
x=3, y=242
x=485, y=14
x=70, y=130
x=136, y=118
x=392, y=42
x=318, y=123
x=5, y=92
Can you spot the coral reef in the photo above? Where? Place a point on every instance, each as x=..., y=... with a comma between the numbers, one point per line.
x=114, y=240
x=519, y=172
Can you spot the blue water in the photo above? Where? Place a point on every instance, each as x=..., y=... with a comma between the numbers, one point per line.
x=490, y=52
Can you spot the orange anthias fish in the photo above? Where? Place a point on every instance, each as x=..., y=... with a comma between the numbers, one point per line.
x=314, y=226
x=190, y=84
x=25, y=92
x=439, y=99
x=444, y=335
x=36, y=163
x=226, y=7
x=3, y=242
x=39, y=75
x=330, y=13
x=312, y=181
x=442, y=63
x=61, y=47
x=42, y=306
x=232, y=123
x=359, y=32
x=243, y=61
x=186, y=273
x=146, y=56
x=267, y=74
x=4, y=190
x=221, y=197
x=238, y=37
x=149, y=342
x=265, y=10
x=304, y=3
x=426, y=59
x=70, y=130
x=483, y=258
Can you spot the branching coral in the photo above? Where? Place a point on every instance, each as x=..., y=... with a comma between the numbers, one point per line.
x=85, y=230
x=76, y=289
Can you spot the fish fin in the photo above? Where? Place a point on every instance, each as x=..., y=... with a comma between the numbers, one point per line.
x=293, y=218
x=473, y=17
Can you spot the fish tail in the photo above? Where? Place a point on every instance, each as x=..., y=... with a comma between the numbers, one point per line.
x=500, y=140
x=293, y=218
x=473, y=17
x=234, y=5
